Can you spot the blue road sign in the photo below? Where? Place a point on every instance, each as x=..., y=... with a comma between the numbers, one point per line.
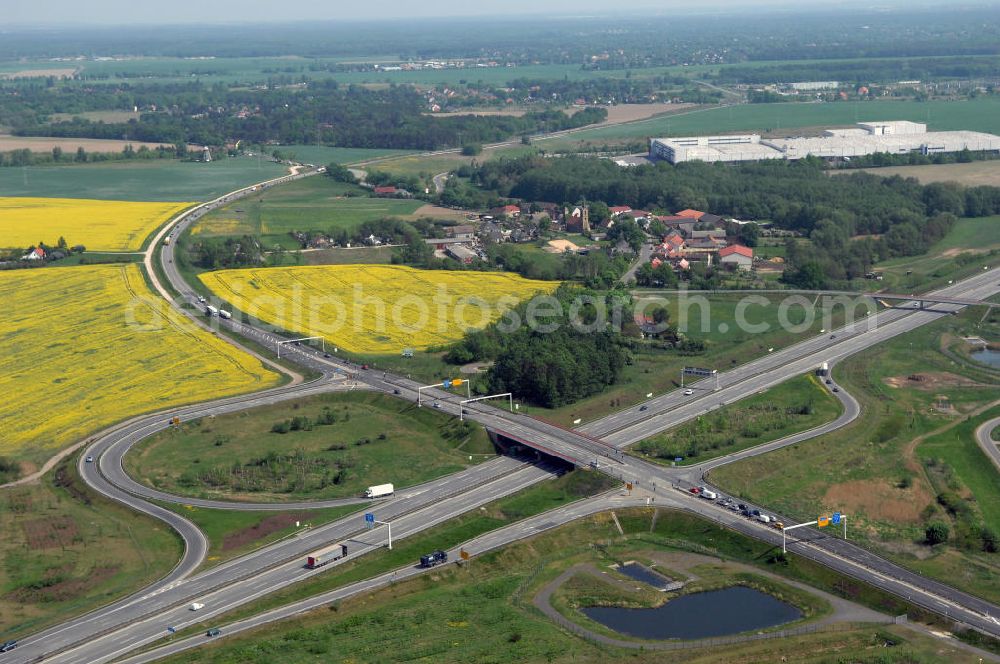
x=836, y=517
x=369, y=517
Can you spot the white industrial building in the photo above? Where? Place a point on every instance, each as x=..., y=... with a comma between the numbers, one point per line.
x=711, y=148
x=809, y=86
x=896, y=137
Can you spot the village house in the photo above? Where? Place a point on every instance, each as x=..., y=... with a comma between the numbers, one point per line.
x=461, y=253
x=36, y=254
x=737, y=255
x=507, y=212
x=463, y=233
x=391, y=192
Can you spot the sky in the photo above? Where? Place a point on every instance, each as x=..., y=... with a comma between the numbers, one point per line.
x=69, y=12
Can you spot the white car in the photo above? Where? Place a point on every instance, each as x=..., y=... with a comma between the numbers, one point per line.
x=688, y=393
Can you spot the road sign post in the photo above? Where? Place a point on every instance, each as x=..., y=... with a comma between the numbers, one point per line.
x=461, y=404
x=701, y=372
x=821, y=522
x=370, y=522
x=446, y=385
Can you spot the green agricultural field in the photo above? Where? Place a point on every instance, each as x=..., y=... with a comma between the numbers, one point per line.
x=793, y=406
x=66, y=550
x=726, y=345
x=322, y=155
x=907, y=461
x=157, y=180
x=982, y=114
x=232, y=533
x=429, y=166
x=482, y=611
x=316, y=203
x=350, y=441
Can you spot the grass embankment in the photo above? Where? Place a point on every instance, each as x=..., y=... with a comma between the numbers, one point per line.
x=326, y=446
x=908, y=461
x=793, y=406
x=970, y=245
x=727, y=344
x=528, y=502
x=482, y=611
x=65, y=550
x=232, y=533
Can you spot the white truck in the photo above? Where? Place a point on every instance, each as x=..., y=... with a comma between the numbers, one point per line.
x=763, y=518
x=225, y=314
x=327, y=555
x=708, y=495
x=211, y=311
x=379, y=491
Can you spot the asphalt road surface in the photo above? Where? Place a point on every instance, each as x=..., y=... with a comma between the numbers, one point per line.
x=131, y=623
x=984, y=437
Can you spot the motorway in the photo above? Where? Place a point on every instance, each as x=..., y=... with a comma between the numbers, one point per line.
x=112, y=631
x=984, y=437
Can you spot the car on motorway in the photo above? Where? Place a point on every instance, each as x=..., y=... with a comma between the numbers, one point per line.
x=695, y=490
x=643, y=407
x=396, y=391
x=688, y=393
x=215, y=631
x=437, y=404
x=364, y=367
x=833, y=336
x=201, y=298
x=8, y=646
x=829, y=382
x=90, y=459
x=836, y=389
x=326, y=355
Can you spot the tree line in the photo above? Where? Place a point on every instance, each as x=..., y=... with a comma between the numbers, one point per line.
x=549, y=368
x=323, y=113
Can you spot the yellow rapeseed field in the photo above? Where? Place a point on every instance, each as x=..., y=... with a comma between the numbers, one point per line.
x=373, y=308
x=97, y=225
x=84, y=347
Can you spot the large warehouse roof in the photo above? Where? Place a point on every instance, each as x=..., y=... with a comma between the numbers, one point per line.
x=896, y=137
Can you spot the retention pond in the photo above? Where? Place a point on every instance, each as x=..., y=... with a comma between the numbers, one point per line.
x=699, y=615
x=987, y=357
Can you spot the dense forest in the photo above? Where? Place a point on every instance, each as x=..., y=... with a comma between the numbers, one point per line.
x=550, y=367
x=323, y=113
x=894, y=216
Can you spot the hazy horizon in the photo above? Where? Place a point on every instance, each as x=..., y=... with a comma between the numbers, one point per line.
x=69, y=13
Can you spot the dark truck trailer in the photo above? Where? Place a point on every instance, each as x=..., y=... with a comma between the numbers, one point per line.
x=327, y=555
x=432, y=559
